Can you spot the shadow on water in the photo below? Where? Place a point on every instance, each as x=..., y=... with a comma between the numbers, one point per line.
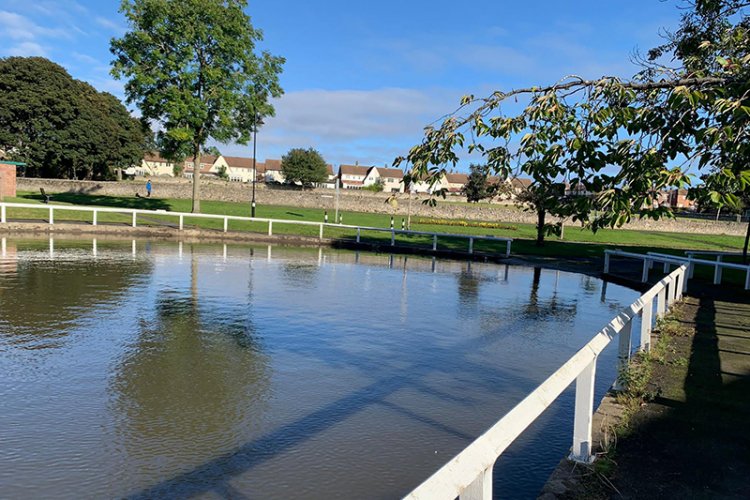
x=696, y=441
x=214, y=476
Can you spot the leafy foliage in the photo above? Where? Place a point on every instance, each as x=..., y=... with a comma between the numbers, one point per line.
x=191, y=68
x=625, y=141
x=61, y=127
x=304, y=166
x=477, y=186
x=377, y=187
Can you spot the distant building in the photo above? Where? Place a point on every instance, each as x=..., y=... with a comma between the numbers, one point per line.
x=455, y=183
x=154, y=165
x=207, y=166
x=353, y=176
x=393, y=179
x=272, y=172
x=331, y=178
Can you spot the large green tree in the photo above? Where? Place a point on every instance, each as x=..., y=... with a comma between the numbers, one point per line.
x=624, y=140
x=304, y=166
x=192, y=69
x=62, y=127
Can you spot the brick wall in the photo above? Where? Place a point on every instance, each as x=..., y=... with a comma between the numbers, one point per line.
x=7, y=180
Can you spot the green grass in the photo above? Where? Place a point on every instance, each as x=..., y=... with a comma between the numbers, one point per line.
x=577, y=242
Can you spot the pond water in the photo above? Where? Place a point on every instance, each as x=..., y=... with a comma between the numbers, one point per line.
x=153, y=369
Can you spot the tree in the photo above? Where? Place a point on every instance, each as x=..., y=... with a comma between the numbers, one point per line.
x=191, y=68
x=377, y=187
x=304, y=166
x=626, y=140
x=477, y=186
x=62, y=127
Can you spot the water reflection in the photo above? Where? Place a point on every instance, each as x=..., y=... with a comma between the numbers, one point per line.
x=236, y=371
x=192, y=385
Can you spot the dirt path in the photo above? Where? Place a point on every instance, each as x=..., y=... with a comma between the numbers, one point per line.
x=693, y=439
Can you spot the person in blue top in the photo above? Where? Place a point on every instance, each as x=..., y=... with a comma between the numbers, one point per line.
x=148, y=188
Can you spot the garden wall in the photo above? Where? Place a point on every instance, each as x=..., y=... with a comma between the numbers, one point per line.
x=352, y=201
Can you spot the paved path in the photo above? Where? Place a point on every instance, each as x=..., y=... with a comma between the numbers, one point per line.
x=693, y=440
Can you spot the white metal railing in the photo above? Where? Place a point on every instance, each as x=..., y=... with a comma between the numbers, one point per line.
x=180, y=216
x=469, y=474
x=691, y=262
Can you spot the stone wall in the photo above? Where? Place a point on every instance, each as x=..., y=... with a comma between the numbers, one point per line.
x=349, y=201
x=7, y=180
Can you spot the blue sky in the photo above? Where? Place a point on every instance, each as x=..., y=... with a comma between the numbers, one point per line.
x=363, y=78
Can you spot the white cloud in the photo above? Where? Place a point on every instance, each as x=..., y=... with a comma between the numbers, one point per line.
x=111, y=25
x=25, y=49
x=18, y=27
x=369, y=126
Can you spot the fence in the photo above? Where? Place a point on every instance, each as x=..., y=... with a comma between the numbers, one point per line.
x=690, y=261
x=180, y=219
x=469, y=474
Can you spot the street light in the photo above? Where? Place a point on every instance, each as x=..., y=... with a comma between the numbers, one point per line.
x=255, y=171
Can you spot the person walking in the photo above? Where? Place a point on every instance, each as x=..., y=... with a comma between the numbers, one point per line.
x=148, y=189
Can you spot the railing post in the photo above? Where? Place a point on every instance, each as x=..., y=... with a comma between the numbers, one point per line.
x=226, y=224
x=321, y=232
x=434, y=242
x=270, y=228
x=94, y=249
x=646, y=320
x=660, y=303
x=691, y=267
x=182, y=221
x=623, y=355
x=507, y=248
x=747, y=279
x=2, y=214
x=471, y=246
x=94, y=221
x=646, y=266
x=358, y=234
x=480, y=488
x=717, y=272
x=666, y=267
x=51, y=215
x=393, y=238
x=606, y=262
x=134, y=215
x=584, y=413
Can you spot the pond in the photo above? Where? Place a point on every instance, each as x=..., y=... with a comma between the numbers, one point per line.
x=162, y=369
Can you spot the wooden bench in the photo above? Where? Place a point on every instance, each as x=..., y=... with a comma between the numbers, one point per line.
x=46, y=197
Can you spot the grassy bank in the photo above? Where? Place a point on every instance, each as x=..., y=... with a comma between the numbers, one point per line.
x=577, y=243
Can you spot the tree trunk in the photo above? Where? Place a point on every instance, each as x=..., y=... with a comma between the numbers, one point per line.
x=196, y=179
x=540, y=216
x=747, y=240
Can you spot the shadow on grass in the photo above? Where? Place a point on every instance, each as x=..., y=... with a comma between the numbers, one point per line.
x=696, y=442
x=104, y=201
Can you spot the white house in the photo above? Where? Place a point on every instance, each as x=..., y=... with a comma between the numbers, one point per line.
x=153, y=164
x=353, y=176
x=272, y=171
x=393, y=179
x=239, y=169
x=206, y=168
x=455, y=183
x=331, y=180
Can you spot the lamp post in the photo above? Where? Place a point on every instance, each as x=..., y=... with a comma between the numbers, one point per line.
x=255, y=172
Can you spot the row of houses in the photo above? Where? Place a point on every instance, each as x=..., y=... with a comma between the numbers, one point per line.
x=240, y=169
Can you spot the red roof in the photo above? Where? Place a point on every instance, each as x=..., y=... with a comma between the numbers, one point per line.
x=457, y=178
x=239, y=161
x=207, y=161
x=390, y=173
x=273, y=165
x=155, y=157
x=353, y=170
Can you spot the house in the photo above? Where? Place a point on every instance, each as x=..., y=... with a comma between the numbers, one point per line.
x=331, y=178
x=272, y=171
x=392, y=178
x=353, y=176
x=238, y=168
x=153, y=164
x=677, y=198
x=455, y=183
x=207, y=166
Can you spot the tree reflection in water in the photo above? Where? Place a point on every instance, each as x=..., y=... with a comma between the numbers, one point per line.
x=193, y=385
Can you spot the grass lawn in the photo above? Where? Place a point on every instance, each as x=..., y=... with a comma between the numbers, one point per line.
x=577, y=243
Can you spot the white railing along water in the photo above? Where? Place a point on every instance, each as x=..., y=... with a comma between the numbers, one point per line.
x=651, y=257
x=180, y=217
x=469, y=475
